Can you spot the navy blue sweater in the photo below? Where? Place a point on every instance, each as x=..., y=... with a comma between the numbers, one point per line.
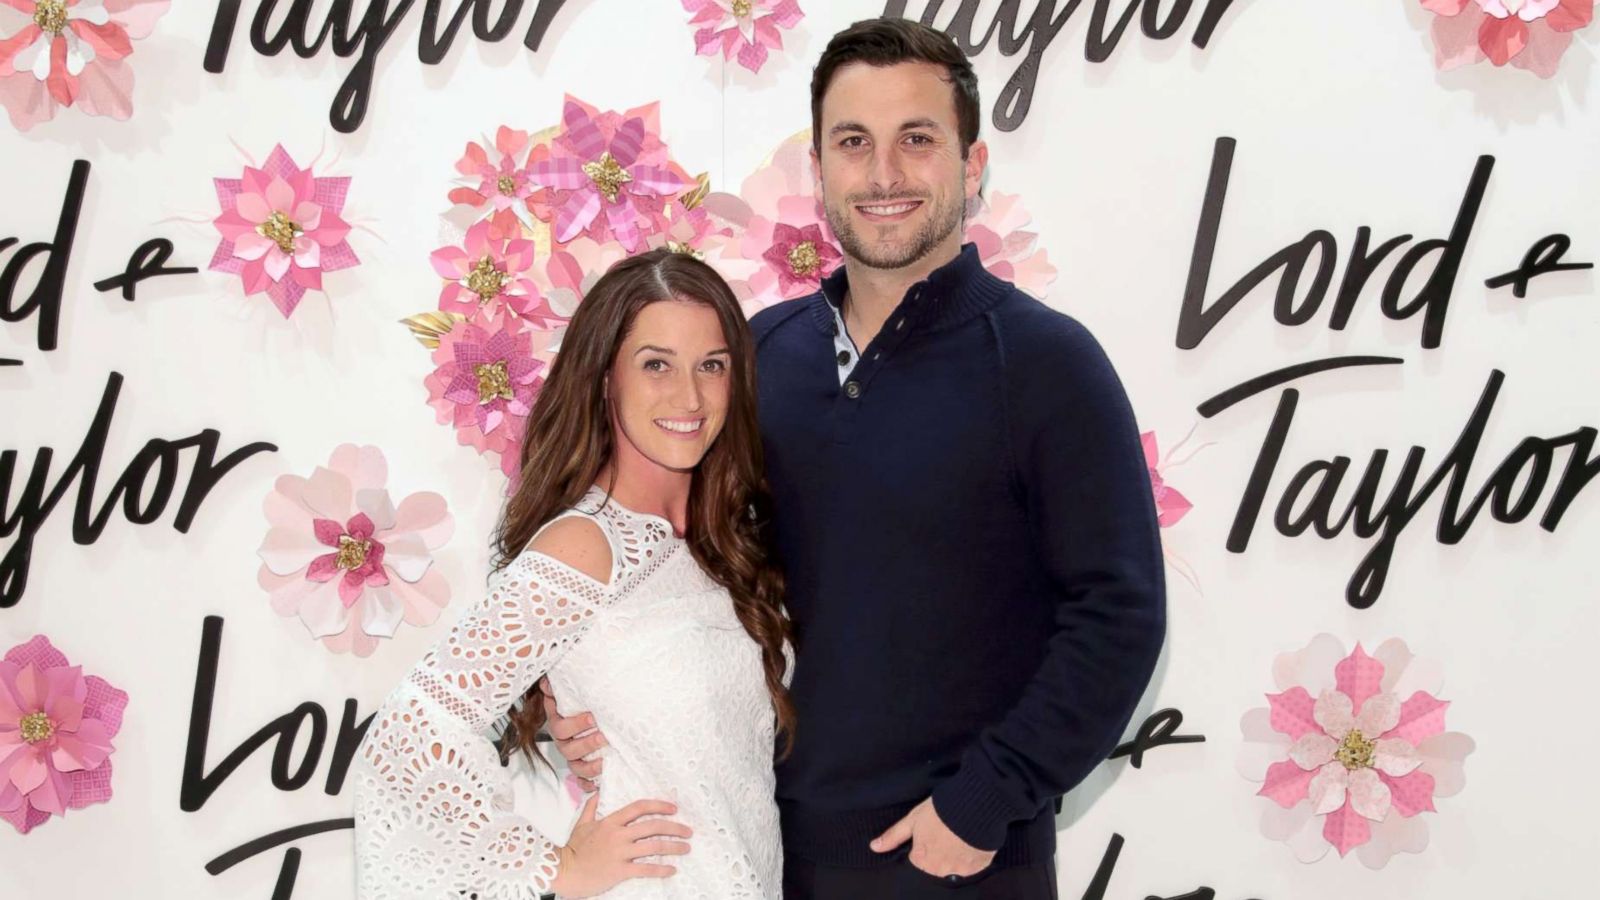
x=969, y=540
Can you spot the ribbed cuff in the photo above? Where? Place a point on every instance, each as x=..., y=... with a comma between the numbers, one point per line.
x=972, y=808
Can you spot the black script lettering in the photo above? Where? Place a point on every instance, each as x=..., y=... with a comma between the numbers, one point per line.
x=142, y=502
x=45, y=299
x=1040, y=28
x=1196, y=319
x=1542, y=258
x=364, y=36
x=198, y=785
x=1511, y=491
x=1158, y=730
x=1101, y=882
x=149, y=261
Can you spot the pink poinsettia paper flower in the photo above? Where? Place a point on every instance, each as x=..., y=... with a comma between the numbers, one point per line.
x=491, y=271
x=742, y=30
x=608, y=176
x=281, y=230
x=347, y=561
x=73, y=53
x=56, y=726
x=489, y=370
x=1528, y=34
x=1351, y=751
x=494, y=176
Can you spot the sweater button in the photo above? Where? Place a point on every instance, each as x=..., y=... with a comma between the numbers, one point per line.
x=852, y=389
x=844, y=357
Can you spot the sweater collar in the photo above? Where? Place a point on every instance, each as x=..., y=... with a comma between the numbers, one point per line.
x=951, y=294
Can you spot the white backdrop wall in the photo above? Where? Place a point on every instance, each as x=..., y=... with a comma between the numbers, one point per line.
x=1340, y=121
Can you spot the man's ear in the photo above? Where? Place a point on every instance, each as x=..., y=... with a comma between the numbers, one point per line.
x=977, y=162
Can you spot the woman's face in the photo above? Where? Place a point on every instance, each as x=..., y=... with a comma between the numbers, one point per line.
x=669, y=384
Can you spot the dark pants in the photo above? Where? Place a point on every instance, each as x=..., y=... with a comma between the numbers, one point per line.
x=903, y=881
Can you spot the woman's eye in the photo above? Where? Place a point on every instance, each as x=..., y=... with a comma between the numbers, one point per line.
x=714, y=366
x=655, y=365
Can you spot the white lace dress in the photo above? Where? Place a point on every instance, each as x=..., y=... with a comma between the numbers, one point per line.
x=659, y=658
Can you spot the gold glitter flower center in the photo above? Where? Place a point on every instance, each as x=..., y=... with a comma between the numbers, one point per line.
x=1355, y=751
x=685, y=249
x=507, y=185
x=485, y=280
x=37, y=727
x=352, y=552
x=741, y=8
x=281, y=230
x=607, y=175
x=493, y=381
x=50, y=16
x=804, y=259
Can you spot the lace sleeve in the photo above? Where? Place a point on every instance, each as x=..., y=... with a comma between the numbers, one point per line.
x=434, y=814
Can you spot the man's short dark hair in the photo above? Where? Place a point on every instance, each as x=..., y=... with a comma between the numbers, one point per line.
x=885, y=42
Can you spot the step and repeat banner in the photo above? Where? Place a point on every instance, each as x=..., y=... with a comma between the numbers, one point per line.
x=270, y=263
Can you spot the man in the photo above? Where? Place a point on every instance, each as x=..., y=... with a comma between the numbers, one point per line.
x=961, y=508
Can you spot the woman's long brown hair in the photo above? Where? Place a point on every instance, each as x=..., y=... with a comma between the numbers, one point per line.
x=569, y=440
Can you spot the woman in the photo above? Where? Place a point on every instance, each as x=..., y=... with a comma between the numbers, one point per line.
x=630, y=560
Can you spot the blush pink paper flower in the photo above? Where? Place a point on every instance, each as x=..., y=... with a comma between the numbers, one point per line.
x=491, y=272
x=608, y=176
x=1528, y=34
x=56, y=726
x=742, y=30
x=1347, y=762
x=281, y=230
x=73, y=52
x=998, y=225
x=489, y=371
x=345, y=559
x=494, y=177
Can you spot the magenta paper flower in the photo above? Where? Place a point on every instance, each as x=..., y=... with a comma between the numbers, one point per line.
x=489, y=371
x=56, y=726
x=73, y=52
x=1171, y=506
x=1528, y=34
x=608, y=176
x=281, y=230
x=742, y=30
x=494, y=177
x=1347, y=762
x=345, y=559
x=491, y=272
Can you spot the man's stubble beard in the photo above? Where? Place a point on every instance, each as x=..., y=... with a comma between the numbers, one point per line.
x=942, y=220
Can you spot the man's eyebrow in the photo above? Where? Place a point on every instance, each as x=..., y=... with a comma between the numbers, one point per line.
x=843, y=127
x=920, y=123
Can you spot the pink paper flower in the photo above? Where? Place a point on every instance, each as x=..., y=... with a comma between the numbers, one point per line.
x=998, y=226
x=489, y=371
x=1171, y=506
x=1528, y=34
x=56, y=726
x=495, y=178
x=281, y=230
x=348, y=562
x=491, y=272
x=1348, y=763
x=73, y=52
x=608, y=176
x=742, y=30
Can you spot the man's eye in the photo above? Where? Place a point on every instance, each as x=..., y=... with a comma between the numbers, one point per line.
x=919, y=139
x=853, y=142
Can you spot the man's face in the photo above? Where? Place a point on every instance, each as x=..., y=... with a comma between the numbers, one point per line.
x=890, y=173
